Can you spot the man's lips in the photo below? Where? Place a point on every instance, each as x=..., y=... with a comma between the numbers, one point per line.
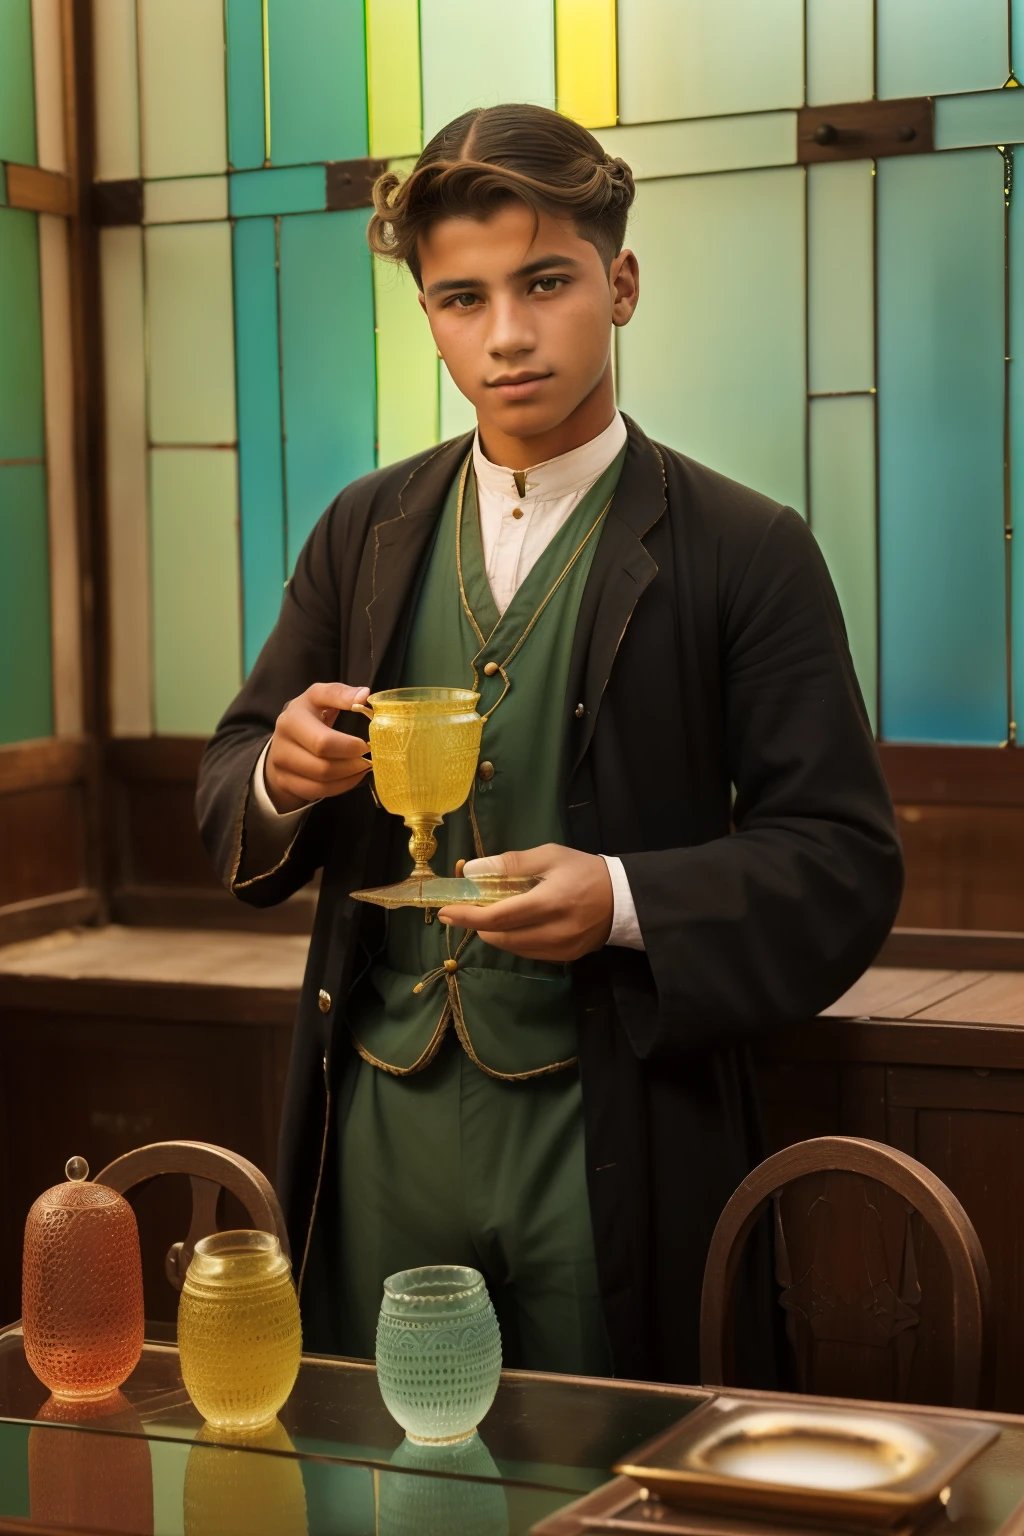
x=518, y=386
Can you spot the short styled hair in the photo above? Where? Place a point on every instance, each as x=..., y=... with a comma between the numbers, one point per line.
x=492, y=156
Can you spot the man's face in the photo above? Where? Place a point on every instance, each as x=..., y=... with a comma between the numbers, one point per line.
x=522, y=309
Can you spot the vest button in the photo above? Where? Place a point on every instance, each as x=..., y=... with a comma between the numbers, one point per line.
x=323, y=1002
x=490, y=669
x=486, y=771
x=580, y=711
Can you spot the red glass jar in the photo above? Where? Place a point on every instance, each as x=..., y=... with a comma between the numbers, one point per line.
x=81, y=1297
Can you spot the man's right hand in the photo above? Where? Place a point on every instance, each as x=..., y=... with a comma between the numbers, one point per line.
x=308, y=760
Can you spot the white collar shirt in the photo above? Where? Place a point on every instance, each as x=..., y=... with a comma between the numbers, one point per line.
x=515, y=529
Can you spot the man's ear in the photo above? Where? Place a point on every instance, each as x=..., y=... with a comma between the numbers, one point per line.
x=423, y=302
x=624, y=281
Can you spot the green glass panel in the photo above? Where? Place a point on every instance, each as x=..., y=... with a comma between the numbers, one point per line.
x=842, y=464
x=407, y=399
x=840, y=276
x=713, y=361
x=21, y=337
x=17, y=96
x=26, y=686
x=1016, y=404
x=704, y=144
x=191, y=341
x=317, y=81
x=260, y=466
x=457, y=414
x=940, y=425
x=3, y=186
x=477, y=55
x=926, y=47
x=243, y=20
x=197, y=652
x=181, y=88
x=393, y=76
x=297, y=189
x=840, y=50
x=703, y=58
x=327, y=354
x=990, y=117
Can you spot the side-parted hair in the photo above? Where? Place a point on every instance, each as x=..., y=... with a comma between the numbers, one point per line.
x=494, y=155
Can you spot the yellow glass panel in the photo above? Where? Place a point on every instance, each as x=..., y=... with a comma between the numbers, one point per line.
x=182, y=93
x=48, y=67
x=457, y=414
x=124, y=417
x=407, y=390
x=585, y=63
x=393, y=77
x=705, y=144
x=189, y=199
x=115, y=52
x=197, y=631
x=65, y=616
x=191, y=333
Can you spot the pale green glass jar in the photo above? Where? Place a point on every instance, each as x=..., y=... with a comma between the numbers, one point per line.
x=438, y=1352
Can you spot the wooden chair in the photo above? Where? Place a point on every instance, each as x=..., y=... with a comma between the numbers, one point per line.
x=211, y=1170
x=860, y=1231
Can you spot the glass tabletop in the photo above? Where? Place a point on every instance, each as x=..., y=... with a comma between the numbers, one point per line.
x=335, y=1461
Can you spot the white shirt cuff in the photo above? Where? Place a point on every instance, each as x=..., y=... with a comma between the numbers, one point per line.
x=625, y=932
x=269, y=833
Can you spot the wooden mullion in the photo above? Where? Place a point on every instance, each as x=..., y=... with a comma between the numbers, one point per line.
x=40, y=191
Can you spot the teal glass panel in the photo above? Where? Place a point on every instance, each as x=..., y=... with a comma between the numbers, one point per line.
x=704, y=58
x=842, y=462
x=260, y=466
x=990, y=117
x=317, y=81
x=928, y=47
x=327, y=346
x=17, y=95
x=704, y=144
x=713, y=361
x=297, y=189
x=840, y=276
x=197, y=660
x=244, y=26
x=26, y=686
x=840, y=50
x=21, y=337
x=1017, y=443
x=940, y=425
x=476, y=55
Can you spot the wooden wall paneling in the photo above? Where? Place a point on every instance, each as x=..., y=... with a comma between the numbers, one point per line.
x=44, y=831
x=862, y=1101
x=798, y=1100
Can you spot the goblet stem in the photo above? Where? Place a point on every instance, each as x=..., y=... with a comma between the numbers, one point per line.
x=423, y=844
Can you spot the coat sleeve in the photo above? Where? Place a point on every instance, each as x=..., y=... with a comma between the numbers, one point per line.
x=303, y=648
x=773, y=923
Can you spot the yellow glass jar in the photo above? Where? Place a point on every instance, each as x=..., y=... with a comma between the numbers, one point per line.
x=239, y=1336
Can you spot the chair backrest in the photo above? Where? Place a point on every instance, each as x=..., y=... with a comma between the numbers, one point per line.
x=859, y=1229
x=211, y=1170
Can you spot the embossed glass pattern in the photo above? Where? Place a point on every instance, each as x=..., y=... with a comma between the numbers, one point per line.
x=239, y=1335
x=81, y=1293
x=438, y=1351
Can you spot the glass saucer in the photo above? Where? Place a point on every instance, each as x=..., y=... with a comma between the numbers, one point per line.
x=435, y=891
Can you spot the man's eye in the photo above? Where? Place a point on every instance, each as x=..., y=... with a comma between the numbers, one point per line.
x=547, y=284
x=464, y=300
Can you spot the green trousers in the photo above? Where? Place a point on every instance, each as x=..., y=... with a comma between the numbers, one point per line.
x=450, y=1166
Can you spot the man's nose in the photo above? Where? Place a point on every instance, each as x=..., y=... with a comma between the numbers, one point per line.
x=511, y=330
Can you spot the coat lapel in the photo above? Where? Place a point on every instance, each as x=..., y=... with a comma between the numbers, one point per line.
x=621, y=572
x=399, y=543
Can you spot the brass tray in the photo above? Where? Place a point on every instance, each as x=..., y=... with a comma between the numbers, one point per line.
x=435, y=891
x=862, y=1466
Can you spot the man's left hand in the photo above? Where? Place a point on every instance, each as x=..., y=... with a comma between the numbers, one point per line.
x=567, y=915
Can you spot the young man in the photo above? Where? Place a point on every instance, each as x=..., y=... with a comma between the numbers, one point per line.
x=569, y=1105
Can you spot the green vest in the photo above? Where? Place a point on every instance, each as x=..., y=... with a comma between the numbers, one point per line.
x=514, y=1017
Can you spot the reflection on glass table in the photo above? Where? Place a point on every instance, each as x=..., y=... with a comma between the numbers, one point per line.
x=334, y=1462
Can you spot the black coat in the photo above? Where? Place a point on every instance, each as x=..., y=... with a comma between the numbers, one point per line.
x=709, y=653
